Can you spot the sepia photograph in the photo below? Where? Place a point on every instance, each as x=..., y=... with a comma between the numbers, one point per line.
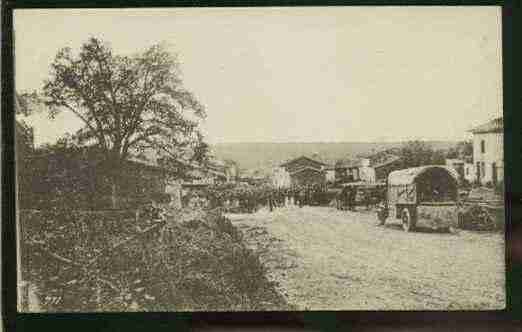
x=259, y=159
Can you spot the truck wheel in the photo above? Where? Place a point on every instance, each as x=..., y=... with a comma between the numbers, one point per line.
x=408, y=223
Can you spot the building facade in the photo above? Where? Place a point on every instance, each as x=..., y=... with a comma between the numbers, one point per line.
x=385, y=166
x=458, y=166
x=281, y=178
x=300, y=171
x=488, y=152
x=330, y=174
x=469, y=172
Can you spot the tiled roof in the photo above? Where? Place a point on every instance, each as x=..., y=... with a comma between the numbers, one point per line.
x=348, y=163
x=390, y=159
x=302, y=158
x=493, y=126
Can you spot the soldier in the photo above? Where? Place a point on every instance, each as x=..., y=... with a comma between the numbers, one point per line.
x=351, y=198
x=270, y=199
x=346, y=198
x=306, y=195
x=302, y=196
x=281, y=197
x=295, y=192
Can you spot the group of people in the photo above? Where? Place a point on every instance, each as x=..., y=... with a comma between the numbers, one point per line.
x=347, y=198
x=297, y=195
x=250, y=199
x=245, y=200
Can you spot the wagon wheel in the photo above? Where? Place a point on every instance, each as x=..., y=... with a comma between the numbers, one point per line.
x=408, y=222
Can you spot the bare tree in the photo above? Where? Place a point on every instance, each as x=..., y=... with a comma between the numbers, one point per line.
x=128, y=104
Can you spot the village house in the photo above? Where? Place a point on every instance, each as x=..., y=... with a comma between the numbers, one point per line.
x=385, y=165
x=300, y=171
x=231, y=170
x=370, y=169
x=469, y=172
x=256, y=176
x=464, y=168
x=488, y=152
x=458, y=166
x=354, y=170
x=281, y=178
x=330, y=174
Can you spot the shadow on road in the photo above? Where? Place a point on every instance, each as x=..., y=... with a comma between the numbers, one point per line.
x=419, y=229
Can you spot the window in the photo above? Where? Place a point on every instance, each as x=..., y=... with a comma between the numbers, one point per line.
x=482, y=169
x=482, y=146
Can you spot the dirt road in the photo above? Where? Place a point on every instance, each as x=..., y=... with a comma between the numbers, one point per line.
x=325, y=259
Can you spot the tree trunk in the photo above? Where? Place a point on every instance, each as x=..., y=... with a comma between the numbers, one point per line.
x=115, y=170
x=114, y=194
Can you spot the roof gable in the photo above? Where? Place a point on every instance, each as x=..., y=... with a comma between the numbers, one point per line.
x=388, y=161
x=348, y=163
x=306, y=168
x=493, y=126
x=302, y=161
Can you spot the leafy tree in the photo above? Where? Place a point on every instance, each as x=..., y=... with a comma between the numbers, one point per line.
x=462, y=149
x=128, y=104
x=24, y=147
x=418, y=153
x=26, y=103
x=24, y=133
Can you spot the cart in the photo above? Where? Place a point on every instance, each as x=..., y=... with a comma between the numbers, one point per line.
x=367, y=194
x=422, y=196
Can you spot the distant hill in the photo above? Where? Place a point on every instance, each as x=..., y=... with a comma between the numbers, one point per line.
x=267, y=155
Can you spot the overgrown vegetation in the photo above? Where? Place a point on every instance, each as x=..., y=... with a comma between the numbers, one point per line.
x=92, y=261
x=127, y=105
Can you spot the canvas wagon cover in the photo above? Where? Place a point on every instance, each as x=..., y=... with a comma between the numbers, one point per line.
x=408, y=176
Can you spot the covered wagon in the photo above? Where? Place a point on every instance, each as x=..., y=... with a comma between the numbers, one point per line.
x=422, y=196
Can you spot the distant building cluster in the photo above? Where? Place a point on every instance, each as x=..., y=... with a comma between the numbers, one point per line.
x=484, y=166
x=307, y=170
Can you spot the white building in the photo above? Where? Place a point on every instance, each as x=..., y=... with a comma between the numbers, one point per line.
x=457, y=165
x=330, y=174
x=469, y=172
x=488, y=151
x=355, y=170
x=281, y=178
x=366, y=173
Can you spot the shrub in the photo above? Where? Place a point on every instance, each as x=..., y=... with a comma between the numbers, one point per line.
x=194, y=260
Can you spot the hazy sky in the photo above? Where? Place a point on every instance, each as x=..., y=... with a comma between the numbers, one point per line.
x=298, y=74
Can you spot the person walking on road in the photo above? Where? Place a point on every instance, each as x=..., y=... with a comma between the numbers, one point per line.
x=270, y=200
x=351, y=198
